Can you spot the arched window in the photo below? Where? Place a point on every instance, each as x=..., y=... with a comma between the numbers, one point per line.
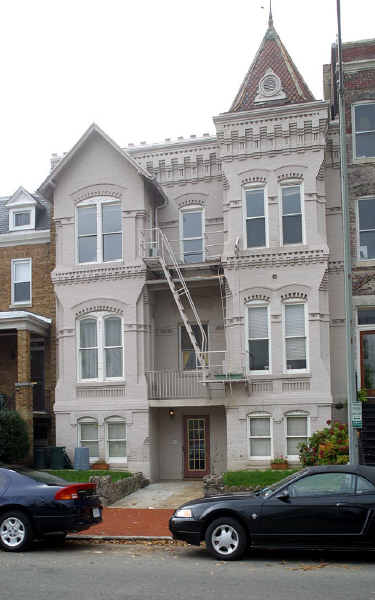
x=295, y=336
x=297, y=432
x=101, y=347
x=99, y=232
x=258, y=336
x=88, y=436
x=192, y=234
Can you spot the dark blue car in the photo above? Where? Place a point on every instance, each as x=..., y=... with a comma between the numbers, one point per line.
x=36, y=504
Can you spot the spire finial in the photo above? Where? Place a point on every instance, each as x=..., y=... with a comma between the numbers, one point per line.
x=270, y=19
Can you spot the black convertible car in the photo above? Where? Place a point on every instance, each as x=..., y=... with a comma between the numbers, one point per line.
x=330, y=507
x=35, y=504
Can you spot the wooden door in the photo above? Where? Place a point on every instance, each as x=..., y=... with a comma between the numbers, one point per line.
x=196, y=446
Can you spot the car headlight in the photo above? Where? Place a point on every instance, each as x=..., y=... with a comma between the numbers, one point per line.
x=183, y=512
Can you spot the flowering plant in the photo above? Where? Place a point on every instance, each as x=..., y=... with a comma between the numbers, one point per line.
x=279, y=460
x=330, y=446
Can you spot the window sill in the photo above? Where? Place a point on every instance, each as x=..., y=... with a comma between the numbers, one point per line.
x=21, y=305
x=291, y=375
x=84, y=385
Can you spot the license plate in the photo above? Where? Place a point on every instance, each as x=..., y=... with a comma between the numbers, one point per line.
x=96, y=513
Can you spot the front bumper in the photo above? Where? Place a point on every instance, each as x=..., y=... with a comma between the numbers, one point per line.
x=186, y=530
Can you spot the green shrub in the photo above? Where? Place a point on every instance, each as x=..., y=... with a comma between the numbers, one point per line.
x=330, y=446
x=14, y=438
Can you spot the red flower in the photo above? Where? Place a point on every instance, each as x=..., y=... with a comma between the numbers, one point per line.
x=329, y=422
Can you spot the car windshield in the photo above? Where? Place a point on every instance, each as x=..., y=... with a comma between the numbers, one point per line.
x=42, y=477
x=267, y=491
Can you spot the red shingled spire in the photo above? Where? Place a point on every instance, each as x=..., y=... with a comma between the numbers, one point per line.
x=273, y=79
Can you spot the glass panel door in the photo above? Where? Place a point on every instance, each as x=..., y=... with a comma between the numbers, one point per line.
x=196, y=446
x=368, y=361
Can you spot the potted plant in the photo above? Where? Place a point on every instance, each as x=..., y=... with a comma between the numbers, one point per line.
x=279, y=463
x=100, y=465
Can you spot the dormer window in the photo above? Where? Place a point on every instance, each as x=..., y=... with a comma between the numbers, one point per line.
x=21, y=208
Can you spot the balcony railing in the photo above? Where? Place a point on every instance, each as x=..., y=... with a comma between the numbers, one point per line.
x=210, y=250
x=175, y=384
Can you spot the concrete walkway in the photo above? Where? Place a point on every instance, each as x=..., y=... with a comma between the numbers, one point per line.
x=164, y=494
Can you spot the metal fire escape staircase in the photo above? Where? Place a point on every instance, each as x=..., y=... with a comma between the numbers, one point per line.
x=160, y=249
x=163, y=251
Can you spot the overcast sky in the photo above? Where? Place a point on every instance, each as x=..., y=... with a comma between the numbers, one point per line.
x=143, y=70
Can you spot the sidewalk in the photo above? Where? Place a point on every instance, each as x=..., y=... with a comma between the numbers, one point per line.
x=145, y=513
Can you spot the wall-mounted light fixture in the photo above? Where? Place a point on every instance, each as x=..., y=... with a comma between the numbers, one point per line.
x=171, y=412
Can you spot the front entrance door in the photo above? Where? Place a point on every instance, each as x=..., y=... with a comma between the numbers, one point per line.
x=368, y=361
x=196, y=446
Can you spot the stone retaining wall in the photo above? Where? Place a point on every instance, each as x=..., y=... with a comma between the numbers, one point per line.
x=213, y=486
x=111, y=491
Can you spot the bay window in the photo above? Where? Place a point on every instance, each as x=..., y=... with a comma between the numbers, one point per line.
x=255, y=218
x=258, y=338
x=101, y=352
x=99, y=232
x=295, y=336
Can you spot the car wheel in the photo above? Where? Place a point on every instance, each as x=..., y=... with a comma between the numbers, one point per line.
x=15, y=531
x=226, y=539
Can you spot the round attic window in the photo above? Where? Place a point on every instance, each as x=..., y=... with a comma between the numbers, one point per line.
x=270, y=85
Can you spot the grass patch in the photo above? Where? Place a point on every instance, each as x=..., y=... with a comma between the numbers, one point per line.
x=84, y=476
x=253, y=479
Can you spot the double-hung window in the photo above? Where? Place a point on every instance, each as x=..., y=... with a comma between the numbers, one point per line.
x=188, y=357
x=258, y=338
x=363, y=117
x=99, y=233
x=260, y=436
x=101, y=352
x=21, y=281
x=292, y=214
x=366, y=221
x=295, y=336
x=88, y=436
x=116, y=440
x=192, y=238
x=255, y=220
x=296, y=433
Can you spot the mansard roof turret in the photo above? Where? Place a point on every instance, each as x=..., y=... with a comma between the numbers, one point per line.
x=273, y=79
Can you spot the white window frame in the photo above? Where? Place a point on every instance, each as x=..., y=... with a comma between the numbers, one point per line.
x=100, y=324
x=354, y=134
x=288, y=303
x=359, y=328
x=90, y=421
x=258, y=304
x=21, y=209
x=187, y=209
x=259, y=415
x=16, y=261
x=247, y=188
x=287, y=184
x=359, y=258
x=118, y=459
x=300, y=415
x=98, y=202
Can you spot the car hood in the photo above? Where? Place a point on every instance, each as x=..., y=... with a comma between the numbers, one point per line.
x=221, y=499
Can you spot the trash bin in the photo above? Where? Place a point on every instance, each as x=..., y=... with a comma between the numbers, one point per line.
x=81, y=459
x=56, y=455
x=40, y=457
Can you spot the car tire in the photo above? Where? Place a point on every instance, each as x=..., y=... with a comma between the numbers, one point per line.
x=226, y=539
x=16, y=532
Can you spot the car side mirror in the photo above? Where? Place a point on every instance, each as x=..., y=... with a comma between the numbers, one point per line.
x=284, y=496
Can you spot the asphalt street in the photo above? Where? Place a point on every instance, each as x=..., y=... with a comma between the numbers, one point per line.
x=83, y=570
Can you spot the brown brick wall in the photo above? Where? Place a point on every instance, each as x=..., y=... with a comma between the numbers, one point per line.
x=43, y=303
x=362, y=51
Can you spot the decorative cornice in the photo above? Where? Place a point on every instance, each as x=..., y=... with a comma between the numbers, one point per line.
x=25, y=238
x=98, y=306
x=335, y=266
x=277, y=259
x=98, y=273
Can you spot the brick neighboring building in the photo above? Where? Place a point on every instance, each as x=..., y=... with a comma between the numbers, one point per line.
x=27, y=312
x=359, y=84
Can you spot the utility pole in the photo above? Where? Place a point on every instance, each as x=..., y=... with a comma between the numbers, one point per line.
x=350, y=380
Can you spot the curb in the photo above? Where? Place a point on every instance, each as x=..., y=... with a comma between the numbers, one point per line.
x=133, y=538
